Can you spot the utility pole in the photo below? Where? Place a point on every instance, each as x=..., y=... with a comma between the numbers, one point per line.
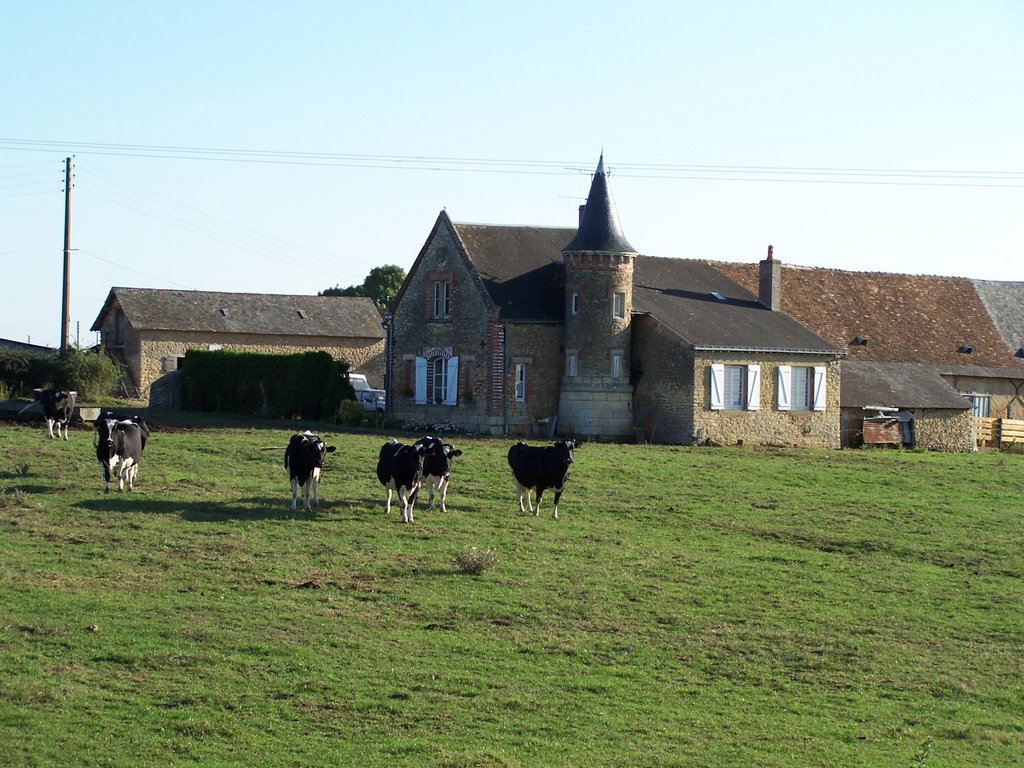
x=65, y=313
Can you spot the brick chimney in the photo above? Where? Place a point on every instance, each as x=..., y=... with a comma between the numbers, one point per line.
x=769, y=282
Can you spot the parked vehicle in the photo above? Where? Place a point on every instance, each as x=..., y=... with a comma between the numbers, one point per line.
x=372, y=400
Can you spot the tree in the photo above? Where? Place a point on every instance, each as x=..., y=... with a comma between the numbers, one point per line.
x=381, y=285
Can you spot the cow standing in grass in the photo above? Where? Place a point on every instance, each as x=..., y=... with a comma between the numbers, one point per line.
x=437, y=467
x=539, y=468
x=304, y=458
x=400, y=469
x=119, y=446
x=58, y=407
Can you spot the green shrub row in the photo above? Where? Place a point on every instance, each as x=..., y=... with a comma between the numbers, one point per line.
x=310, y=385
x=91, y=373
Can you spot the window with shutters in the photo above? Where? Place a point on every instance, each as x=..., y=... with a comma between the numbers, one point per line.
x=437, y=380
x=735, y=387
x=801, y=388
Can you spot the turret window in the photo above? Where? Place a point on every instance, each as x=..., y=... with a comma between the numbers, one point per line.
x=619, y=304
x=574, y=304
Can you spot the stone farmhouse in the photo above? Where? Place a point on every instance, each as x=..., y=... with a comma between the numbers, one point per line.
x=524, y=330
x=533, y=330
x=148, y=331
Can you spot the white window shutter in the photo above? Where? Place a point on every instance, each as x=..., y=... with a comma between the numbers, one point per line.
x=819, y=388
x=421, y=380
x=717, y=385
x=451, y=397
x=753, y=387
x=784, y=377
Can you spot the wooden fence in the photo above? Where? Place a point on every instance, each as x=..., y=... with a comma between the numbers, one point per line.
x=997, y=432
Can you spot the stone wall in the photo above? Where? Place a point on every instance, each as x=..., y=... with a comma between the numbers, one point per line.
x=767, y=425
x=469, y=332
x=943, y=430
x=154, y=353
x=662, y=371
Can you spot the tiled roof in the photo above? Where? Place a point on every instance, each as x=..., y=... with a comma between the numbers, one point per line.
x=709, y=311
x=521, y=268
x=903, y=318
x=249, y=313
x=1005, y=305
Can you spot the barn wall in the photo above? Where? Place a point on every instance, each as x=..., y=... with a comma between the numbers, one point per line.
x=145, y=354
x=1007, y=399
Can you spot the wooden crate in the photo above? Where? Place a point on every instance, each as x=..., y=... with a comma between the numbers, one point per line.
x=984, y=430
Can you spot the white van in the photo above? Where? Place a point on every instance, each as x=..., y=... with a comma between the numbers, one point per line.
x=372, y=400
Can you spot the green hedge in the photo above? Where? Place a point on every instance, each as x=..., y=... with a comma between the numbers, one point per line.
x=91, y=373
x=310, y=385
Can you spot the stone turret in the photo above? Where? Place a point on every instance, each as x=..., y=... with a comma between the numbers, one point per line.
x=596, y=396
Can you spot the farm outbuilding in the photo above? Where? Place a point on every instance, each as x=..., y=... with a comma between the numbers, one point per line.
x=148, y=331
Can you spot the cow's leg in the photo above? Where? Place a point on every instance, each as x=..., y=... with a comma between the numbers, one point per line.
x=536, y=509
x=443, y=488
x=315, y=481
x=295, y=493
x=49, y=426
x=66, y=425
x=132, y=470
x=430, y=488
x=106, y=478
x=387, y=503
x=558, y=495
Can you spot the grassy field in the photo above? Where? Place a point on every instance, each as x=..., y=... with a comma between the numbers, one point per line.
x=691, y=607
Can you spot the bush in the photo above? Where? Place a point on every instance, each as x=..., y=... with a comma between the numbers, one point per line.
x=92, y=374
x=308, y=384
x=474, y=561
x=351, y=413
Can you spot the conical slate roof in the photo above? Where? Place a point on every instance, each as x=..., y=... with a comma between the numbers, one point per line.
x=599, y=226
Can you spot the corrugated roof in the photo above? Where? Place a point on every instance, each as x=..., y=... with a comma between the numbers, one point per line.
x=680, y=293
x=249, y=313
x=521, y=268
x=904, y=318
x=897, y=385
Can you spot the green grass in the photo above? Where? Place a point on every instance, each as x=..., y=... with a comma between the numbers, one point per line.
x=704, y=607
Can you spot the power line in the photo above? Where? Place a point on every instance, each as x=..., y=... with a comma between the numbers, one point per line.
x=682, y=172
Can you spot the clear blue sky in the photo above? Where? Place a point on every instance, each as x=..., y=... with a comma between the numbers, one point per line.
x=877, y=135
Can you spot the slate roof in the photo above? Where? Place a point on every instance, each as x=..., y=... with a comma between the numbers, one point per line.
x=599, y=230
x=897, y=385
x=1005, y=305
x=679, y=293
x=905, y=318
x=250, y=313
x=521, y=268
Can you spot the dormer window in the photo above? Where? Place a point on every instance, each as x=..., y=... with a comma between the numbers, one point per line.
x=859, y=341
x=965, y=349
x=303, y=314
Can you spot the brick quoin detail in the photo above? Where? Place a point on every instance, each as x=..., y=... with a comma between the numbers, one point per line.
x=496, y=364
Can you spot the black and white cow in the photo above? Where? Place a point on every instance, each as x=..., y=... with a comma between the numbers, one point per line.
x=119, y=446
x=58, y=406
x=437, y=466
x=304, y=458
x=540, y=468
x=400, y=469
